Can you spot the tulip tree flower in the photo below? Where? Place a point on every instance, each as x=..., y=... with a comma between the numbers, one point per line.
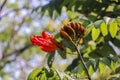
x=46, y=42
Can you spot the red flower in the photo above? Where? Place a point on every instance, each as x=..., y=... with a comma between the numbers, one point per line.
x=46, y=42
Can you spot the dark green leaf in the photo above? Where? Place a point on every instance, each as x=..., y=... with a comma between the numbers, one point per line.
x=102, y=51
x=74, y=63
x=116, y=42
x=106, y=61
x=117, y=70
x=78, y=69
x=50, y=59
x=69, y=45
x=62, y=54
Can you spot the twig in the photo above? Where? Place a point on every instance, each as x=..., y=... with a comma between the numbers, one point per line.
x=1, y=7
x=82, y=61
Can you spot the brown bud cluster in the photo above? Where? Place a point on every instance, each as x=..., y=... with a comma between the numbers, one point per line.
x=72, y=31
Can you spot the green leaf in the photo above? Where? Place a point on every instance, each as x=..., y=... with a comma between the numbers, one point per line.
x=43, y=76
x=103, y=28
x=113, y=28
x=65, y=78
x=98, y=23
x=88, y=48
x=50, y=59
x=34, y=74
x=78, y=69
x=113, y=65
x=117, y=70
x=74, y=63
x=106, y=61
x=95, y=64
x=102, y=67
x=91, y=71
x=69, y=45
x=89, y=29
x=116, y=42
x=62, y=54
x=102, y=51
x=95, y=33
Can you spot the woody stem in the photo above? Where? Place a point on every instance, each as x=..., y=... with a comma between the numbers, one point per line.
x=82, y=61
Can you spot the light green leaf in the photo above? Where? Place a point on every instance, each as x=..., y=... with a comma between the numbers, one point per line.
x=102, y=67
x=34, y=74
x=113, y=66
x=88, y=29
x=43, y=76
x=91, y=71
x=103, y=28
x=95, y=33
x=113, y=29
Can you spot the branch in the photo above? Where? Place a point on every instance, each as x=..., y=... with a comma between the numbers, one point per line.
x=1, y=7
x=10, y=11
x=17, y=51
x=12, y=36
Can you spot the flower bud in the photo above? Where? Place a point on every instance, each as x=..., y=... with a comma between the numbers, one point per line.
x=65, y=35
x=72, y=31
x=69, y=30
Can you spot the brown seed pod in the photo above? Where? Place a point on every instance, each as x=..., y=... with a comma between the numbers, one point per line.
x=64, y=35
x=69, y=30
x=73, y=25
x=73, y=31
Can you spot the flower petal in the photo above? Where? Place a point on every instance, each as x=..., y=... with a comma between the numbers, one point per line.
x=45, y=35
x=46, y=49
x=46, y=42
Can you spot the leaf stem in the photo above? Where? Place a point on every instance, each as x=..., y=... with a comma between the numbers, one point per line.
x=82, y=61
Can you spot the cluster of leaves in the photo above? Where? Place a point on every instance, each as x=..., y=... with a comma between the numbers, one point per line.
x=97, y=10
x=102, y=33
x=100, y=56
x=100, y=42
x=47, y=74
